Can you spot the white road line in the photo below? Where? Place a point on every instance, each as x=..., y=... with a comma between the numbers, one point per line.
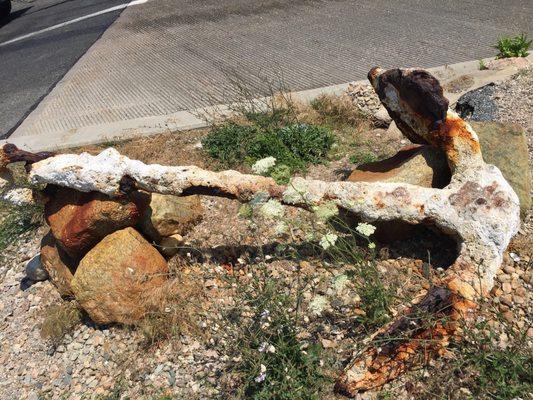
x=107, y=10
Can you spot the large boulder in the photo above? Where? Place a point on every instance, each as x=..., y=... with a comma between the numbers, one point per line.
x=166, y=215
x=418, y=165
x=58, y=264
x=116, y=275
x=505, y=145
x=80, y=220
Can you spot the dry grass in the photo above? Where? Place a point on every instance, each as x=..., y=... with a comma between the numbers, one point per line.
x=174, y=309
x=60, y=320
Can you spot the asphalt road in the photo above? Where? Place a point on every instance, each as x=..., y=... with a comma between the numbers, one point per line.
x=30, y=68
x=164, y=56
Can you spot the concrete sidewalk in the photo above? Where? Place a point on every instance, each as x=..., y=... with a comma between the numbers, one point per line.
x=160, y=59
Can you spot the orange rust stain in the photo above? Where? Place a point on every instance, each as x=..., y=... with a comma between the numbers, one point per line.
x=455, y=128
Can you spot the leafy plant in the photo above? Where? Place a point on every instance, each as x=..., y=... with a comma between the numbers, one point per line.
x=482, y=65
x=363, y=157
x=295, y=146
x=516, y=46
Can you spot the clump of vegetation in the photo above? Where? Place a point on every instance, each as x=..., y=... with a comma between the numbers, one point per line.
x=270, y=361
x=173, y=309
x=60, y=320
x=516, y=46
x=295, y=134
x=499, y=373
x=479, y=367
x=362, y=157
x=15, y=221
x=295, y=146
x=335, y=110
x=482, y=65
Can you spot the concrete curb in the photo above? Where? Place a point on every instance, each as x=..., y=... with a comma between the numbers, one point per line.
x=186, y=120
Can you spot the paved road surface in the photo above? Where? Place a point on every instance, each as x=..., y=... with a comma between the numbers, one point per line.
x=30, y=68
x=169, y=55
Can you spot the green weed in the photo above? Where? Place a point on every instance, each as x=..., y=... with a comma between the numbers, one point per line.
x=295, y=146
x=363, y=157
x=15, y=221
x=516, y=46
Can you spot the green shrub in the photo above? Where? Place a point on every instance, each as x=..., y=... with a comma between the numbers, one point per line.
x=295, y=146
x=309, y=143
x=363, y=157
x=513, y=46
x=228, y=142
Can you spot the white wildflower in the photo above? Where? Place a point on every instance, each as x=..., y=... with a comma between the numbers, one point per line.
x=365, y=229
x=296, y=192
x=340, y=281
x=326, y=211
x=328, y=240
x=272, y=209
x=318, y=304
x=265, y=347
x=264, y=314
x=281, y=228
x=264, y=165
x=261, y=377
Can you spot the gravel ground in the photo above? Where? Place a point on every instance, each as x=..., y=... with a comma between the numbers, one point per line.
x=112, y=361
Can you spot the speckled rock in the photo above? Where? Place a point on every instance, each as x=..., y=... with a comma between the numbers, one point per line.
x=113, y=277
x=505, y=145
x=167, y=215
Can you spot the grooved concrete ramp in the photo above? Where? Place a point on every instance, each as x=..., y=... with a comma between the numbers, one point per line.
x=166, y=56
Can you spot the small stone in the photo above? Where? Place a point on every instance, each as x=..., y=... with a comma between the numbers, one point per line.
x=518, y=299
x=508, y=316
x=503, y=278
x=507, y=300
x=35, y=270
x=508, y=269
x=515, y=257
x=506, y=287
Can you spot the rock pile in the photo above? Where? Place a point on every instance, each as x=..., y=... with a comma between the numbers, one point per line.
x=96, y=250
